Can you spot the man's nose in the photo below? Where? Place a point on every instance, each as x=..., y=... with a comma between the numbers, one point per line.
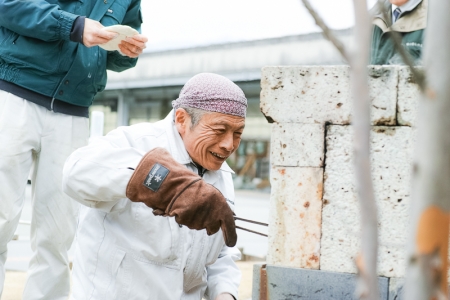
x=227, y=143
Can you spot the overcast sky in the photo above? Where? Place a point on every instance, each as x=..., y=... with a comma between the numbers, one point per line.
x=172, y=24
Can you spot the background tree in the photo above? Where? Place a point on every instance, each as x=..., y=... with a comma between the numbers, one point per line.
x=429, y=234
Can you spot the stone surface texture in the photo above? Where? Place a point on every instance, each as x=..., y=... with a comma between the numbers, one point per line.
x=297, y=145
x=292, y=283
x=391, y=149
x=408, y=98
x=312, y=156
x=295, y=217
x=322, y=94
x=256, y=281
x=396, y=288
x=383, y=95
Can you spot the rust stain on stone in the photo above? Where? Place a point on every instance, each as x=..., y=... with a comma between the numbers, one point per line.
x=282, y=171
x=319, y=190
x=385, y=130
x=314, y=258
x=302, y=215
x=384, y=121
x=278, y=86
x=299, y=184
x=306, y=204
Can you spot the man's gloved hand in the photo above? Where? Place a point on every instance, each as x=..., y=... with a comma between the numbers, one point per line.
x=172, y=190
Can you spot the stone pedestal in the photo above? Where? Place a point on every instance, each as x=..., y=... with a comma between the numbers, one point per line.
x=314, y=222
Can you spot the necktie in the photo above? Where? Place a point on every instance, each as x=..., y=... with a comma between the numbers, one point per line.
x=397, y=12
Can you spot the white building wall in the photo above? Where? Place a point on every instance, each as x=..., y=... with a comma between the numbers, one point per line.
x=238, y=61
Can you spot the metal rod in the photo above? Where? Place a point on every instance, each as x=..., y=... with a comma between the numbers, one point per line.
x=255, y=232
x=250, y=221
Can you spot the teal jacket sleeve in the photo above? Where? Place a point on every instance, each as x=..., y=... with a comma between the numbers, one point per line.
x=38, y=19
x=133, y=18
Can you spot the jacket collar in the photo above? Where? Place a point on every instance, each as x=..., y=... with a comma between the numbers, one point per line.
x=177, y=148
x=378, y=13
x=413, y=21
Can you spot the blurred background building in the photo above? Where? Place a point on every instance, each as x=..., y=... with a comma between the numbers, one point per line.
x=145, y=93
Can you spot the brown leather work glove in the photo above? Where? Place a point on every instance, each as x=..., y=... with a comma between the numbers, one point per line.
x=172, y=190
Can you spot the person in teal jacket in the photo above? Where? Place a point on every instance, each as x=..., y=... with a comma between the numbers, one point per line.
x=51, y=67
x=409, y=19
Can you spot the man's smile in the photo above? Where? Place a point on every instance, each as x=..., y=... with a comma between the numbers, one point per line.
x=218, y=155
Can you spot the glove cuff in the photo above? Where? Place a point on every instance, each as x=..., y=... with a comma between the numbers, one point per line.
x=157, y=179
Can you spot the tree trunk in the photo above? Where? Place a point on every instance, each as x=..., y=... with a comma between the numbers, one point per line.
x=428, y=240
x=367, y=263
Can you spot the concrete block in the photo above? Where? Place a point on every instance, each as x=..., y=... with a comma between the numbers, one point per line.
x=408, y=98
x=383, y=95
x=318, y=94
x=396, y=288
x=297, y=145
x=306, y=94
x=293, y=283
x=295, y=217
x=256, y=281
x=391, y=159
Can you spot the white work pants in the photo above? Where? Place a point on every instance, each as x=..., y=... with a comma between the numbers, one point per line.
x=33, y=138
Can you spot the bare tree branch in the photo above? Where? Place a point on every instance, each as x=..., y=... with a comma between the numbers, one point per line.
x=418, y=75
x=327, y=32
x=367, y=287
x=367, y=263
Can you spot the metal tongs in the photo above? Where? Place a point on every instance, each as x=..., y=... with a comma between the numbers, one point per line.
x=250, y=221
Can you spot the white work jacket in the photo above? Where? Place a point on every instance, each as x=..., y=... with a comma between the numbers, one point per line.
x=122, y=250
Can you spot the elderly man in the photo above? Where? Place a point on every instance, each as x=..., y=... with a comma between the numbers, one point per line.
x=159, y=222
x=407, y=17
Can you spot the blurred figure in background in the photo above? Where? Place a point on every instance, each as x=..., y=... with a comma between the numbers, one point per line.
x=50, y=70
x=407, y=17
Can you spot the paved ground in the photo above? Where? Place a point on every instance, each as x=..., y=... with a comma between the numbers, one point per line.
x=15, y=282
x=249, y=205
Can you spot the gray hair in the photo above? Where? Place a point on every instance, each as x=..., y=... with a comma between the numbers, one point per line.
x=196, y=114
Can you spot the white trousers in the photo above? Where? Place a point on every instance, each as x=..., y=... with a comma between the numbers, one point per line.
x=35, y=139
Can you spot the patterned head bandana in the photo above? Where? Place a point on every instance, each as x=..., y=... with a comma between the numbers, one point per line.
x=212, y=92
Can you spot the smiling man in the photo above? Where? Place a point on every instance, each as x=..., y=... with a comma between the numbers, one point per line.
x=158, y=217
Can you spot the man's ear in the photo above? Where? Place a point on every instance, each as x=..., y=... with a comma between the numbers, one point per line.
x=182, y=120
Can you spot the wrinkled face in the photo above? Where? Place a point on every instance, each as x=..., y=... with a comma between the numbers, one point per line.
x=213, y=139
x=398, y=2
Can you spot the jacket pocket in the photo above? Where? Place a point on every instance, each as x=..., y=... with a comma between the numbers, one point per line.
x=216, y=243
x=114, y=15
x=30, y=52
x=160, y=238
x=121, y=274
x=7, y=36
